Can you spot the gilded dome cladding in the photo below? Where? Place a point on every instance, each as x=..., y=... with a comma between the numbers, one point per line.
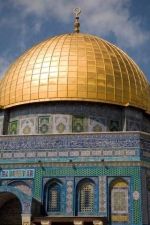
x=78, y=67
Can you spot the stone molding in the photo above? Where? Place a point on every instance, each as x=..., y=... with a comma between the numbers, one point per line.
x=26, y=219
x=45, y=222
x=78, y=222
x=97, y=222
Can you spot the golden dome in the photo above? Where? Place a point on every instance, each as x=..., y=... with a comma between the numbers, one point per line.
x=78, y=67
x=149, y=101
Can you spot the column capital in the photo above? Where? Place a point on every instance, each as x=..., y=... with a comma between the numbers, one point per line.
x=26, y=219
x=45, y=222
x=78, y=222
x=97, y=222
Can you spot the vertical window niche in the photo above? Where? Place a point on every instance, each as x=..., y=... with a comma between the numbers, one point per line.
x=119, y=205
x=86, y=197
x=53, y=198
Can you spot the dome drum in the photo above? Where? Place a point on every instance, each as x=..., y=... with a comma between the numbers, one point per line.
x=67, y=117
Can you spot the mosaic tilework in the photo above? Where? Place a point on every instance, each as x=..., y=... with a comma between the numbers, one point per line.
x=102, y=196
x=25, y=200
x=62, y=156
x=133, y=125
x=114, y=125
x=145, y=125
x=16, y=173
x=67, y=123
x=22, y=186
x=38, y=182
x=134, y=172
x=26, y=207
x=69, y=195
x=136, y=186
x=87, y=110
x=9, y=182
x=127, y=119
x=148, y=193
x=27, y=126
x=48, y=147
x=96, y=124
x=145, y=146
x=62, y=124
x=111, y=141
x=45, y=124
x=144, y=196
x=134, y=120
x=13, y=127
x=60, y=147
x=78, y=124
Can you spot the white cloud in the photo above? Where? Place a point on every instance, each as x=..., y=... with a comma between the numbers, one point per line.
x=101, y=17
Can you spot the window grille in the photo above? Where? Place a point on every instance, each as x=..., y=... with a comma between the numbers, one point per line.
x=53, y=204
x=86, y=198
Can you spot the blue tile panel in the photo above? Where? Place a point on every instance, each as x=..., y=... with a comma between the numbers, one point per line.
x=71, y=141
x=103, y=196
x=16, y=173
x=145, y=147
x=101, y=177
x=25, y=200
x=112, y=146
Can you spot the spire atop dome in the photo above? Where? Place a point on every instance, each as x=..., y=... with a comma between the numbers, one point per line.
x=76, y=12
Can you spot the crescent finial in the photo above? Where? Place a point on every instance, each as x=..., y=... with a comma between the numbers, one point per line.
x=77, y=12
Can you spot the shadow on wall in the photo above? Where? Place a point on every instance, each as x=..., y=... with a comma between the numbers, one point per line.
x=37, y=208
x=10, y=213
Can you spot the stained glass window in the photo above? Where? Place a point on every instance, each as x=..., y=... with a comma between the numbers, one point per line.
x=53, y=200
x=86, y=197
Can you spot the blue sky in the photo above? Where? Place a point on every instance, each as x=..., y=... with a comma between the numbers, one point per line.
x=126, y=23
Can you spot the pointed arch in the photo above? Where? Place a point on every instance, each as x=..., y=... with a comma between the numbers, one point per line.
x=22, y=186
x=24, y=199
x=119, y=200
x=10, y=209
x=85, y=197
x=53, y=196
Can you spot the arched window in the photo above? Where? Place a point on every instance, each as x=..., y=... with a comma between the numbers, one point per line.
x=119, y=201
x=53, y=197
x=86, y=197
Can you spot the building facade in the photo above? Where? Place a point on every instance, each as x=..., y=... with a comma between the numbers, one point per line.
x=75, y=142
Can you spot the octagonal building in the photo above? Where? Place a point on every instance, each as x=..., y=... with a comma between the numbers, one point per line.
x=75, y=142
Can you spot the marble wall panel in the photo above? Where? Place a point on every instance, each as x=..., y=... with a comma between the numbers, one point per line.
x=27, y=126
x=22, y=186
x=1, y=124
x=62, y=123
x=13, y=127
x=45, y=124
x=96, y=124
